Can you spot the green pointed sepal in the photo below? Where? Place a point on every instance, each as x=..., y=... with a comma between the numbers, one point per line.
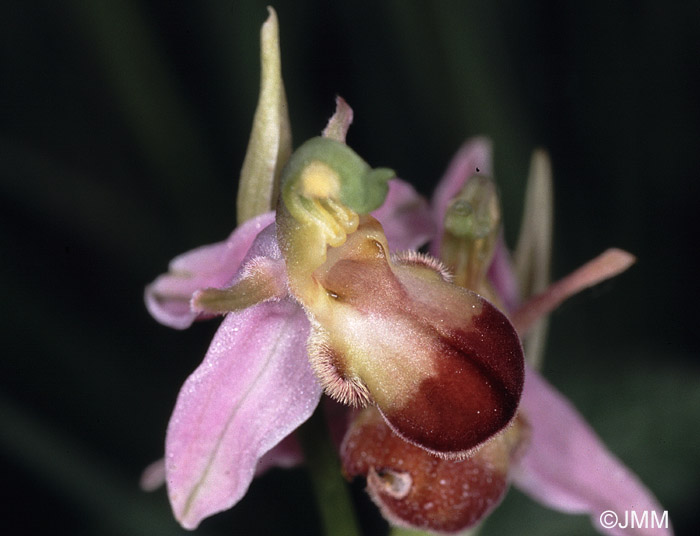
x=270, y=141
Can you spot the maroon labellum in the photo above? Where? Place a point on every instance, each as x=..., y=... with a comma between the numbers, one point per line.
x=442, y=364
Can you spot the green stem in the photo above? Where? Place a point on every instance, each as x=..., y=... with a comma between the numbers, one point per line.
x=398, y=531
x=332, y=494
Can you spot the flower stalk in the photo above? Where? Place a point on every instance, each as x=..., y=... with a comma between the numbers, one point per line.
x=333, y=499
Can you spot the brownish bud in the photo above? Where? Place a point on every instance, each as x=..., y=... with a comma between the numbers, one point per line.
x=416, y=489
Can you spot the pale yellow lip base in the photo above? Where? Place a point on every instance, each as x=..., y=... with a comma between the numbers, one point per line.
x=325, y=187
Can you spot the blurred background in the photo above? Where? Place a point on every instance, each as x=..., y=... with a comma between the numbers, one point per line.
x=123, y=127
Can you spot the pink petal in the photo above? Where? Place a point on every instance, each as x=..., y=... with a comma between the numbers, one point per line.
x=153, y=476
x=608, y=264
x=502, y=277
x=262, y=276
x=405, y=216
x=567, y=467
x=264, y=245
x=287, y=453
x=253, y=389
x=474, y=155
x=168, y=297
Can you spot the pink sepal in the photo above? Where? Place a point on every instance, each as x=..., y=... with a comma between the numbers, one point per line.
x=567, y=467
x=405, y=217
x=254, y=387
x=211, y=266
x=502, y=276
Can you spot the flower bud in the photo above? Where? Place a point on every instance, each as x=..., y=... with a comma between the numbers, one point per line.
x=472, y=228
x=416, y=489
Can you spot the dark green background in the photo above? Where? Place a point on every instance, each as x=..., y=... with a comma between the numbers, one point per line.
x=123, y=127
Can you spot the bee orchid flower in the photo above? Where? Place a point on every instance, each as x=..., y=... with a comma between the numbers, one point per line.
x=319, y=299
x=323, y=291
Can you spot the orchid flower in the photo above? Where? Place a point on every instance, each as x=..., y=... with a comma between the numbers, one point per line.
x=326, y=293
x=548, y=451
x=442, y=364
